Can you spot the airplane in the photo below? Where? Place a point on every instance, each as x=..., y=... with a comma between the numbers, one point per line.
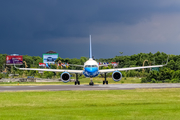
x=91, y=69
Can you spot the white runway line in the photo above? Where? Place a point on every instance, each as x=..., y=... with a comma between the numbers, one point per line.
x=153, y=85
x=7, y=86
x=31, y=86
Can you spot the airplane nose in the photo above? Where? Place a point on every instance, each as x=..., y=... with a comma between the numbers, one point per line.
x=91, y=70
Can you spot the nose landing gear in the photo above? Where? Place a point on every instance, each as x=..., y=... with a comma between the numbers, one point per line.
x=91, y=83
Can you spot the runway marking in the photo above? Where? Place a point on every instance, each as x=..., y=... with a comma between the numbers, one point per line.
x=31, y=86
x=7, y=86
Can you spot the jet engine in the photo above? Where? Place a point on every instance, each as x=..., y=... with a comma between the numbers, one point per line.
x=65, y=77
x=116, y=76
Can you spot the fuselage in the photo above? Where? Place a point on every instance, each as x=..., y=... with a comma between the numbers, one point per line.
x=91, y=68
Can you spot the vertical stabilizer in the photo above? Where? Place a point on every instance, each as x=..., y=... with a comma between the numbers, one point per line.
x=90, y=48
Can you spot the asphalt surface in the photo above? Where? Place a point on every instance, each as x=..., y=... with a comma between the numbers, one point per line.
x=87, y=87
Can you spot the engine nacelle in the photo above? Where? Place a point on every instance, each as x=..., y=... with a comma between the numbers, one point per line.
x=116, y=76
x=65, y=77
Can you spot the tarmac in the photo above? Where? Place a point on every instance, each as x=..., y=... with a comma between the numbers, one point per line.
x=87, y=87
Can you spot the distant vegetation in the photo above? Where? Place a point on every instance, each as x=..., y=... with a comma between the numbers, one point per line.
x=169, y=73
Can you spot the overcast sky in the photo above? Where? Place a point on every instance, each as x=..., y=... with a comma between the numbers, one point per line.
x=34, y=27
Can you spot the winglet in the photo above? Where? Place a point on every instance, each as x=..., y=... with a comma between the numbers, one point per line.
x=90, y=48
x=167, y=60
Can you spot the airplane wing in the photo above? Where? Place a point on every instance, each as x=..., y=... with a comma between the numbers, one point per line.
x=124, y=69
x=131, y=68
x=76, y=65
x=53, y=70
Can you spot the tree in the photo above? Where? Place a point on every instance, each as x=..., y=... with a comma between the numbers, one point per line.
x=2, y=60
x=153, y=75
x=171, y=65
x=48, y=74
x=29, y=60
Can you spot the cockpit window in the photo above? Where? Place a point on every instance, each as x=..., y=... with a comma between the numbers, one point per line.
x=91, y=66
x=94, y=65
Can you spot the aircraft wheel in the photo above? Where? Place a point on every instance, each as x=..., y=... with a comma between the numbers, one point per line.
x=91, y=83
x=107, y=82
x=75, y=83
x=78, y=82
x=103, y=82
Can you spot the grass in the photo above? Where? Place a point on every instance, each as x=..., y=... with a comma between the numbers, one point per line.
x=138, y=104
x=96, y=80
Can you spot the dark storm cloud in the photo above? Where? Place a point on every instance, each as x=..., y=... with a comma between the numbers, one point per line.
x=37, y=19
x=32, y=23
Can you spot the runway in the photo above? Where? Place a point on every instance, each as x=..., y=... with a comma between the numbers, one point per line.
x=87, y=87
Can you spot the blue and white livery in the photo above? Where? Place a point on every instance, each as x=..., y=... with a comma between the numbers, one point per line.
x=91, y=69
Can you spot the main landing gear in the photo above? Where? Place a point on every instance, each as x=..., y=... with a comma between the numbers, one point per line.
x=91, y=83
x=105, y=81
x=77, y=82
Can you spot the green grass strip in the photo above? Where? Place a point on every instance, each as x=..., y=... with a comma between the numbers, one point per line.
x=138, y=104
